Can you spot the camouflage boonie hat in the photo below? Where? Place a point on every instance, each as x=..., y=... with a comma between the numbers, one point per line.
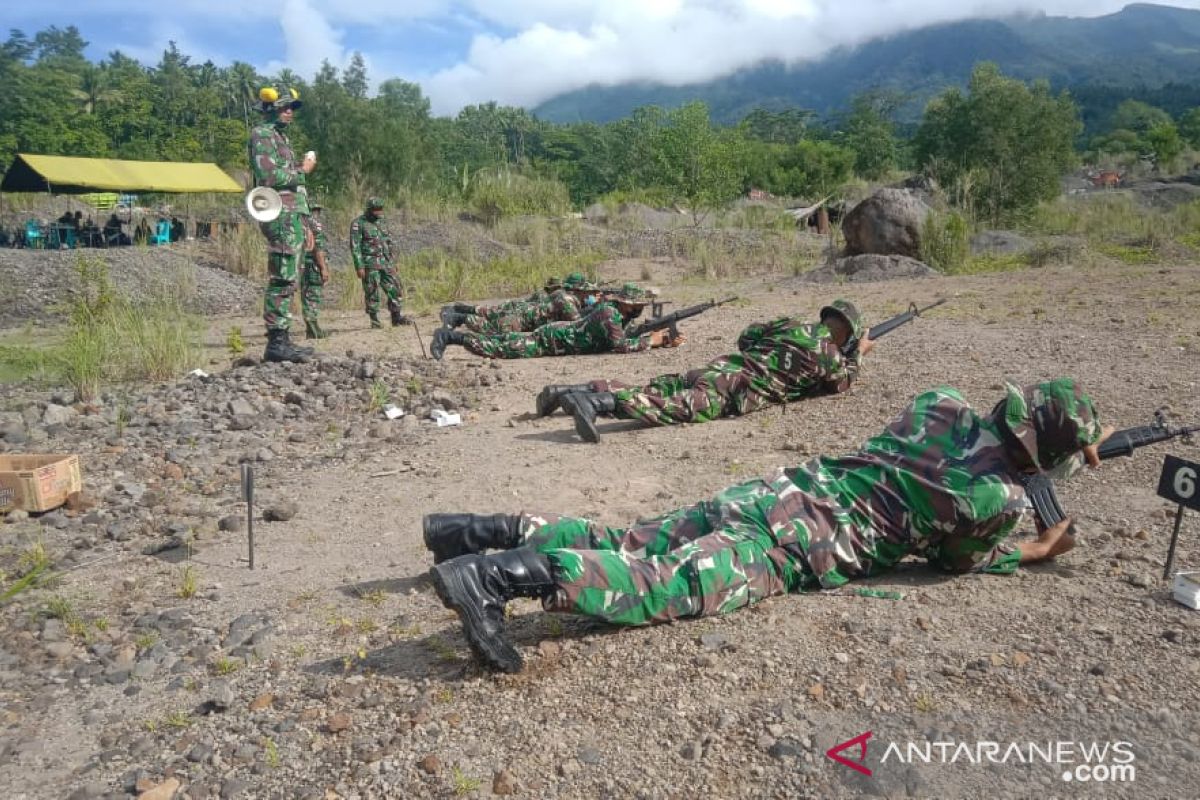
x=272, y=99
x=578, y=281
x=374, y=202
x=1052, y=420
x=633, y=294
x=315, y=205
x=847, y=311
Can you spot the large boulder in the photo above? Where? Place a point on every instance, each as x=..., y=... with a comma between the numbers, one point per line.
x=888, y=223
x=869, y=267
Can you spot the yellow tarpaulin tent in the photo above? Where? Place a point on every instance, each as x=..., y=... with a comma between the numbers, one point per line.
x=67, y=175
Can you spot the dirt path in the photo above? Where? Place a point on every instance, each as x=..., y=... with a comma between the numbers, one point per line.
x=1088, y=648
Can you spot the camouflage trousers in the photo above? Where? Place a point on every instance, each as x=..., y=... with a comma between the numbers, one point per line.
x=744, y=545
x=721, y=388
x=285, y=250
x=514, y=345
x=495, y=323
x=382, y=279
x=312, y=291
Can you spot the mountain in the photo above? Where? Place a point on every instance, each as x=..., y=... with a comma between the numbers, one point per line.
x=1139, y=49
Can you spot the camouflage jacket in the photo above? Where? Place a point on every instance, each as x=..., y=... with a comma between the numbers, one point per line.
x=602, y=330
x=559, y=306
x=936, y=483
x=790, y=360
x=274, y=165
x=370, y=243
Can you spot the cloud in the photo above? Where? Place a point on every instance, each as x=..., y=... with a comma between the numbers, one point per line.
x=557, y=46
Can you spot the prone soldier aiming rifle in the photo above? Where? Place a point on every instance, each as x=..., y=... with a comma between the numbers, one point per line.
x=1040, y=487
x=889, y=325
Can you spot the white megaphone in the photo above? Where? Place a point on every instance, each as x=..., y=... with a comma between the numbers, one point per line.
x=264, y=203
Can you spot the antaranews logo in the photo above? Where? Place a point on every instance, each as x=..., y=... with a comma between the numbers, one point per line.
x=1083, y=762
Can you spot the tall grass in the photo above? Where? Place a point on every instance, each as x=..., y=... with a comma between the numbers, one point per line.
x=110, y=338
x=494, y=195
x=242, y=250
x=945, y=241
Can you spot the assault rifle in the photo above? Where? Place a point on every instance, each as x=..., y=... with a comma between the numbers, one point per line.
x=1040, y=487
x=889, y=325
x=673, y=319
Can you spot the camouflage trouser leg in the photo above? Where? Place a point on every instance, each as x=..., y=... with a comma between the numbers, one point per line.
x=370, y=284
x=492, y=324
x=312, y=291
x=707, y=559
x=507, y=345
x=718, y=389
x=389, y=282
x=285, y=249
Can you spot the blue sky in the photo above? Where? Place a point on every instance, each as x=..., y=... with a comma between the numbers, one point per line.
x=517, y=52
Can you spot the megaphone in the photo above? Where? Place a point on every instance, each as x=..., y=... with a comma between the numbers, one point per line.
x=264, y=203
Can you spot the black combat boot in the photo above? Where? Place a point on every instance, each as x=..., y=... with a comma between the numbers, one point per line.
x=463, y=308
x=399, y=319
x=452, y=319
x=452, y=535
x=375, y=323
x=550, y=397
x=585, y=407
x=477, y=588
x=441, y=338
x=280, y=348
x=313, y=330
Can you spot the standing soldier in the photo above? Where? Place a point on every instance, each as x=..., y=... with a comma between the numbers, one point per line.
x=371, y=246
x=274, y=166
x=316, y=275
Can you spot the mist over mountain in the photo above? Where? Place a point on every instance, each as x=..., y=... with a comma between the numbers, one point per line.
x=1148, y=51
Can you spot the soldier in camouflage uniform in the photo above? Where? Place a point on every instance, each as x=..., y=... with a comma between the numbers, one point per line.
x=274, y=165
x=316, y=275
x=602, y=330
x=371, y=247
x=776, y=362
x=565, y=304
x=941, y=481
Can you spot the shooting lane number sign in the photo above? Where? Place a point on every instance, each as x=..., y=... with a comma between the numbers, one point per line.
x=1179, y=483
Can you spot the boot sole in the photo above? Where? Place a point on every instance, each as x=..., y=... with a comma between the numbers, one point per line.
x=497, y=654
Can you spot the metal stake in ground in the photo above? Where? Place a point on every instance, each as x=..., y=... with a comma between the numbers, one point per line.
x=1178, y=484
x=420, y=341
x=248, y=496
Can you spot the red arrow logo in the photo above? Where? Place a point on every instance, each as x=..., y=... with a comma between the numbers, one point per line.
x=859, y=741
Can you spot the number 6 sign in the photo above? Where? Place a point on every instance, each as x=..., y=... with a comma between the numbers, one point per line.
x=1178, y=483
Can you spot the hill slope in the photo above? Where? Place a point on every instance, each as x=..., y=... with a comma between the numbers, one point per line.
x=1140, y=47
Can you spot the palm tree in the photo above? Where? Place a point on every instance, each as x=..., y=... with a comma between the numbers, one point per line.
x=94, y=88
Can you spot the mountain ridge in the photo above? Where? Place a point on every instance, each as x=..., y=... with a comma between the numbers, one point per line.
x=1141, y=47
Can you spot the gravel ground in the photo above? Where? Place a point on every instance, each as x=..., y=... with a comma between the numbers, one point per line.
x=35, y=283
x=333, y=671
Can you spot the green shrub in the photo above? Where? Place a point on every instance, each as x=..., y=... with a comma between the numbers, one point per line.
x=945, y=242
x=496, y=195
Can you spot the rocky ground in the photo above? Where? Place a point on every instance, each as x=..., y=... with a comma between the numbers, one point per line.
x=158, y=664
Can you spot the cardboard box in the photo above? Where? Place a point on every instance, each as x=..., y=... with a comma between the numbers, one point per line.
x=38, y=482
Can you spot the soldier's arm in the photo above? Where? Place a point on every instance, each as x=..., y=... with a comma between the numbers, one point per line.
x=615, y=334
x=986, y=549
x=751, y=336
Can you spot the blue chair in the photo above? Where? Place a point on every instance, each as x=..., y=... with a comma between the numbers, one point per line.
x=162, y=232
x=33, y=235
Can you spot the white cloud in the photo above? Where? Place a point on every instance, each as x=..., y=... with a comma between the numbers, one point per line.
x=559, y=46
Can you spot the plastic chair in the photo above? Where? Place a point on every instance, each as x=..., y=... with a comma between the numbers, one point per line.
x=162, y=233
x=33, y=235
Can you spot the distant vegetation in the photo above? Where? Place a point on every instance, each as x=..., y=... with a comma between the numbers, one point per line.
x=996, y=148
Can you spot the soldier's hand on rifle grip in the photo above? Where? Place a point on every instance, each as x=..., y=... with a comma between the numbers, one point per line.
x=865, y=344
x=676, y=341
x=659, y=338
x=1092, y=452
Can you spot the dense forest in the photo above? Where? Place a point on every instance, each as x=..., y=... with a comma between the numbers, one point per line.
x=999, y=145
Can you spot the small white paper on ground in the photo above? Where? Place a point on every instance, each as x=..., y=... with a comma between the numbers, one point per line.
x=393, y=412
